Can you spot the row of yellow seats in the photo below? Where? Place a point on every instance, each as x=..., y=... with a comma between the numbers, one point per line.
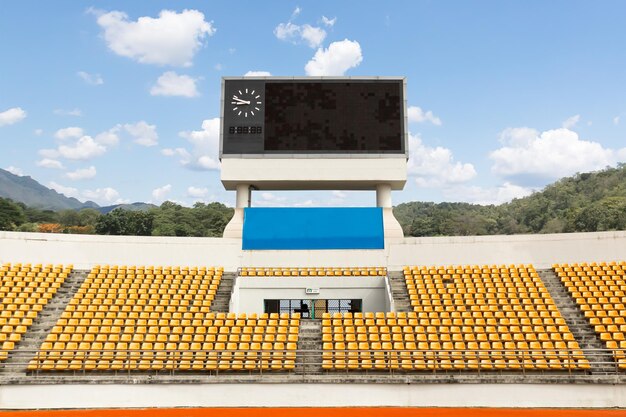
x=175, y=319
x=170, y=356
x=172, y=337
x=438, y=356
x=327, y=271
x=188, y=315
x=82, y=310
x=437, y=361
x=473, y=329
x=143, y=285
x=24, y=269
x=447, y=337
x=593, y=266
x=595, y=276
x=465, y=319
x=469, y=335
x=458, y=269
x=157, y=278
x=155, y=268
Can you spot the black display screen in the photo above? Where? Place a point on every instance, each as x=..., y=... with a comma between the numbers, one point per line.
x=313, y=116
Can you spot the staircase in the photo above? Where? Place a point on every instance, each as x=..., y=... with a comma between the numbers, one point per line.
x=578, y=324
x=309, y=339
x=399, y=292
x=221, y=302
x=46, y=319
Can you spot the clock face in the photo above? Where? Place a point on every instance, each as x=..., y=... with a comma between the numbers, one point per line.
x=246, y=102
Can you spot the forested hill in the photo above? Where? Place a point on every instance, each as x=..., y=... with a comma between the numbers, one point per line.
x=586, y=202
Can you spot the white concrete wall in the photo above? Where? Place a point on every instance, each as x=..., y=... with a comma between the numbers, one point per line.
x=540, y=250
x=311, y=395
x=251, y=291
x=86, y=250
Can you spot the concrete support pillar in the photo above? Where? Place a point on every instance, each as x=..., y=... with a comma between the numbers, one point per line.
x=383, y=195
x=234, y=228
x=392, y=228
x=244, y=196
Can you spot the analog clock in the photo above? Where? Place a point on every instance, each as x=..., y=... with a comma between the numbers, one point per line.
x=246, y=102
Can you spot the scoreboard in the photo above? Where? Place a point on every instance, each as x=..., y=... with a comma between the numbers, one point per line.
x=274, y=115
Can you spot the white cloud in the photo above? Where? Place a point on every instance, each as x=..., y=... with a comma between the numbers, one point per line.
x=329, y=22
x=109, y=137
x=570, y=122
x=257, y=74
x=82, y=173
x=204, y=155
x=104, y=195
x=338, y=58
x=314, y=36
x=290, y=32
x=172, y=84
x=197, y=192
x=11, y=116
x=287, y=31
x=435, y=167
x=38, y=132
x=159, y=193
x=181, y=152
x=143, y=133
x=171, y=39
x=417, y=115
x=339, y=194
x=69, y=132
x=84, y=148
x=50, y=163
x=73, y=112
x=479, y=195
x=92, y=79
x=616, y=120
x=14, y=170
x=67, y=191
x=551, y=154
x=296, y=12
x=218, y=67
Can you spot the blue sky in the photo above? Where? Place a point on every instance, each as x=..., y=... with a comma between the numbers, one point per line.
x=118, y=101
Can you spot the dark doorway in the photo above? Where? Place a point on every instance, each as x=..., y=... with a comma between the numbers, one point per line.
x=314, y=308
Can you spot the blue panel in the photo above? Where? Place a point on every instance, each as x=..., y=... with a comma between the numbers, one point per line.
x=313, y=228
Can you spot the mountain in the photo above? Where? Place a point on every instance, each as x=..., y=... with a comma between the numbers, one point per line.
x=128, y=207
x=585, y=202
x=28, y=191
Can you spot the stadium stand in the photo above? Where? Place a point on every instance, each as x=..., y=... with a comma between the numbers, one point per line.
x=311, y=272
x=24, y=290
x=599, y=290
x=464, y=317
x=159, y=318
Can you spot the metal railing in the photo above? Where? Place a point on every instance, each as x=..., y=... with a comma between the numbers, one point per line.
x=521, y=362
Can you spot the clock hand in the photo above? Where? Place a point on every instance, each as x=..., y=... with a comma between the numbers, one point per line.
x=241, y=101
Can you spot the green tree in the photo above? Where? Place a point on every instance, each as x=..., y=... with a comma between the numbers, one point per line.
x=124, y=222
x=11, y=215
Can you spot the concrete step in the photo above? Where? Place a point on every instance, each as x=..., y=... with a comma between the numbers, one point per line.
x=399, y=291
x=577, y=323
x=221, y=302
x=310, y=338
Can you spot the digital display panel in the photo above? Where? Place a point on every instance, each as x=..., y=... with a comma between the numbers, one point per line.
x=285, y=116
